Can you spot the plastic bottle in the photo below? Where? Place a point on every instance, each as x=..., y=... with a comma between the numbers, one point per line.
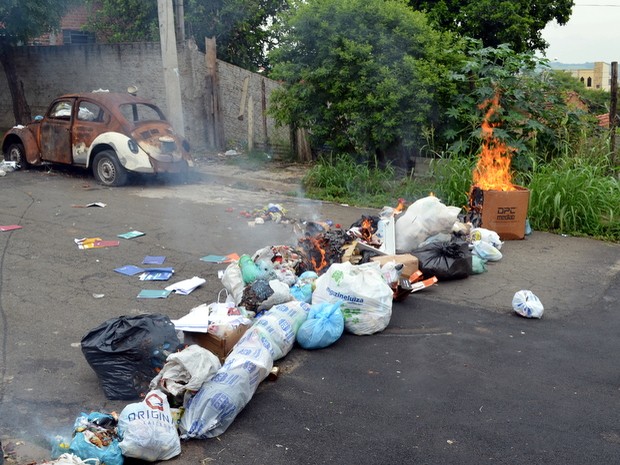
x=250, y=272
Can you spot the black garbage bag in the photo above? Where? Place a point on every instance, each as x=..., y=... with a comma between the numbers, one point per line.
x=444, y=260
x=127, y=352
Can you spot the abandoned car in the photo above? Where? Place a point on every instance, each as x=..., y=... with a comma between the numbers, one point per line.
x=113, y=134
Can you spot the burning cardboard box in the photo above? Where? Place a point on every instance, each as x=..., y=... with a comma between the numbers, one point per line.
x=495, y=203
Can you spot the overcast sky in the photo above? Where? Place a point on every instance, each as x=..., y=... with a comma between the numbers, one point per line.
x=591, y=34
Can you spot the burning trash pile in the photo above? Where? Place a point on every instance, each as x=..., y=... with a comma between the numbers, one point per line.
x=195, y=374
x=192, y=376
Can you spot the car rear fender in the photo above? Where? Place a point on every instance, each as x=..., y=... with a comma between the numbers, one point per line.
x=136, y=162
x=23, y=135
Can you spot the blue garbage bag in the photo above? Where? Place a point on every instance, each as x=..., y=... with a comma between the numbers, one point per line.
x=323, y=327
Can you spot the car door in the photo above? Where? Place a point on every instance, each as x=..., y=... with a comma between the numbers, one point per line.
x=90, y=121
x=56, y=132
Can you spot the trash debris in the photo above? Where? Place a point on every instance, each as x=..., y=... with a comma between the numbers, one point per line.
x=153, y=294
x=154, y=260
x=95, y=437
x=129, y=270
x=126, y=353
x=94, y=243
x=157, y=274
x=147, y=429
x=220, y=258
x=88, y=205
x=366, y=297
x=131, y=234
x=10, y=227
x=445, y=260
x=323, y=327
x=187, y=286
x=215, y=406
x=422, y=219
x=527, y=304
x=186, y=370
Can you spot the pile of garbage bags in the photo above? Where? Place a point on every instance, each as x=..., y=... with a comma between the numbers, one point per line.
x=194, y=375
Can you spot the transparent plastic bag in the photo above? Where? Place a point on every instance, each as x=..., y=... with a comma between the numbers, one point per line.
x=527, y=304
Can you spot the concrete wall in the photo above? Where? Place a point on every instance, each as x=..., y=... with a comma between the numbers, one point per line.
x=51, y=71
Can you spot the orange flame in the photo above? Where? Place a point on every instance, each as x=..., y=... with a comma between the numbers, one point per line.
x=400, y=207
x=315, y=252
x=493, y=169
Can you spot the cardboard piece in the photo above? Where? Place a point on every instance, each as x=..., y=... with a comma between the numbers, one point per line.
x=220, y=346
x=505, y=212
x=409, y=261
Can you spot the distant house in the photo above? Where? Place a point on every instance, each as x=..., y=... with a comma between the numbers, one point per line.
x=595, y=75
x=70, y=30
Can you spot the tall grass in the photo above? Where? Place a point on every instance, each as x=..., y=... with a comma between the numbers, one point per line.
x=576, y=196
x=340, y=179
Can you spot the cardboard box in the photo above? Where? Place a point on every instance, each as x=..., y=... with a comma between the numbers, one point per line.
x=505, y=212
x=220, y=346
x=410, y=262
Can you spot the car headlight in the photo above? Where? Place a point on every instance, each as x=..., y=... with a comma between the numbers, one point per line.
x=133, y=146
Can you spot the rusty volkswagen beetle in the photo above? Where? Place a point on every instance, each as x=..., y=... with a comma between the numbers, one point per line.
x=113, y=134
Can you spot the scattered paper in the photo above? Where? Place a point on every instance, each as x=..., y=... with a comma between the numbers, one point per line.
x=155, y=276
x=93, y=204
x=10, y=227
x=131, y=234
x=153, y=260
x=231, y=257
x=129, y=270
x=94, y=243
x=153, y=294
x=186, y=286
x=197, y=320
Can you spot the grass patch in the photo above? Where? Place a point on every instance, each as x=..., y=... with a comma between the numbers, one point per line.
x=575, y=196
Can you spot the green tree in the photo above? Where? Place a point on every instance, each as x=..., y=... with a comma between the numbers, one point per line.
x=515, y=22
x=241, y=27
x=366, y=77
x=537, y=117
x=21, y=21
x=117, y=21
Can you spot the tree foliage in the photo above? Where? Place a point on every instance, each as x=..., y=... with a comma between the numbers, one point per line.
x=21, y=21
x=515, y=22
x=364, y=76
x=538, y=115
x=117, y=21
x=239, y=26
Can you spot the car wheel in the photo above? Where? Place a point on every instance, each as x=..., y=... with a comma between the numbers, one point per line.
x=17, y=153
x=108, y=170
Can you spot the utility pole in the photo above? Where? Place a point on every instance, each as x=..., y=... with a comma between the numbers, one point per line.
x=172, y=81
x=613, y=111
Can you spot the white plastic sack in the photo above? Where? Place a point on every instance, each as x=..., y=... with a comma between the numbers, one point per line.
x=233, y=281
x=424, y=218
x=486, y=251
x=527, y=304
x=214, y=407
x=186, y=370
x=148, y=430
x=72, y=459
x=486, y=235
x=366, y=297
x=280, y=324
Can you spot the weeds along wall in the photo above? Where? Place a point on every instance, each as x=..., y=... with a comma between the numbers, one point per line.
x=50, y=71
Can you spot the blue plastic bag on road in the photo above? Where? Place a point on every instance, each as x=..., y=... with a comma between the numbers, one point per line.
x=323, y=327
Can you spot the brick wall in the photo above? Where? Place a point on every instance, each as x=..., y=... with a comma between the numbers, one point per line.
x=51, y=71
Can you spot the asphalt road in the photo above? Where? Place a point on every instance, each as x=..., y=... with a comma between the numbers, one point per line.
x=455, y=378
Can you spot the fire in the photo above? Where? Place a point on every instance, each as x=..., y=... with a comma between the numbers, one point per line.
x=315, y=252
x=400, y=207
x=366, y=229
x=493, y=169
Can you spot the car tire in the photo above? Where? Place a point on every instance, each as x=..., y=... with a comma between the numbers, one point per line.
x=108, y=170
x=17, y=153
